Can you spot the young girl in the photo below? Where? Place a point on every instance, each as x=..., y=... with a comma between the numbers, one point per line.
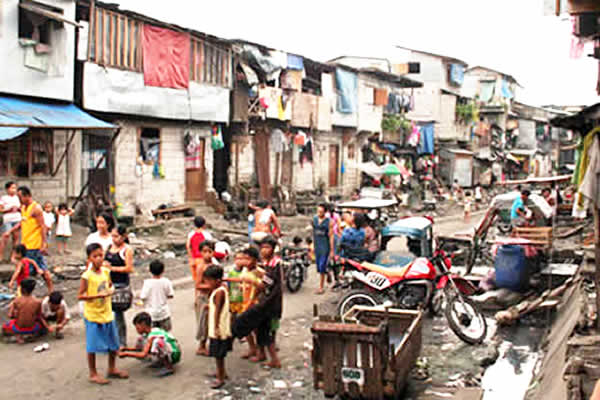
x=49, y=217
x=101, y=334
x=63, y=228
x=219, y=322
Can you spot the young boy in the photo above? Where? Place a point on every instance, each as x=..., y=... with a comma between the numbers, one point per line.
x=195, y=238
x=155, y=294
x=236, y=296
x=207, y=250
x=251, y=277
x=26, y=314
x=55, y=309
x=101, y=334
x=219, y=322
x=155, y=344
x=265, y=315
x=23, y=267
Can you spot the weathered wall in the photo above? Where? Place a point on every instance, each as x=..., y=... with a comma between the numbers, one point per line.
x=526, y=139
x=144, y=190
x=244, y=163
x=57, y=82
x=114, y=90
x=321, y=158
x=369, y=115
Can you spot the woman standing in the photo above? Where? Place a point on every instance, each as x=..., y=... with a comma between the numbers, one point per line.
x=120, y=258
x=323, y=242
x=105, y=224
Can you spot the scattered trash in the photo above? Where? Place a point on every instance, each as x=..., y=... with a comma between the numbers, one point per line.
x=168, y=255
x=279, y=384
x=297, y=384
x=41, y=347
x=255, y=389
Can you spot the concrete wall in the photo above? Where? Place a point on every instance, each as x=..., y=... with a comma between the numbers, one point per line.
x=526, y=139
x=16, y=78
x=246, y=169
x=369, y=115
x=145, y=191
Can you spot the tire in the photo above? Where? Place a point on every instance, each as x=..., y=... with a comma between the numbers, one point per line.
x=357, y=297
x=294, y=278
x=455, y=303
x=504, y=227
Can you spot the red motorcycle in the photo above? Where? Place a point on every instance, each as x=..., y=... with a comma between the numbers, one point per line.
x=419, y=283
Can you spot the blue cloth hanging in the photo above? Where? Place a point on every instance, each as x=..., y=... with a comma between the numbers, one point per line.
x=426, y=139
x=347, y=85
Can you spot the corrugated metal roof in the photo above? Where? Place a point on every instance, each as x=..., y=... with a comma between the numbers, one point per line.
x=20, y=113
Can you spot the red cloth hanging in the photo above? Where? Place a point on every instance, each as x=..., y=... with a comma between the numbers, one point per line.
x=166, y=57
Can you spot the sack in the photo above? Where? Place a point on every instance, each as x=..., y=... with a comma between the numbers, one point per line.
x=122, y=298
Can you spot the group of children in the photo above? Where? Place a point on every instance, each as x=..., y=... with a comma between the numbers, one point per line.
x=59, y=220
x=245, y=304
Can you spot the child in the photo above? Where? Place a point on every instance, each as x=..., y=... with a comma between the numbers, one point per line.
x=478, y=196
x=311, y=248
x=236, y=296
x=23, y=267
x=155, y=294
x=467, y=207
x=195, y=238
x=26, y=314
x=219, y=322
x=265, y=315
x=49, y=217
x=297, y=242
x=101, y=333
x=207, y=250
x=55, y=309
x=250, y=279
x=63, y=228
x=155, y=344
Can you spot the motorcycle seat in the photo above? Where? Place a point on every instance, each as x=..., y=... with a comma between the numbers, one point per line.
x=390, y=272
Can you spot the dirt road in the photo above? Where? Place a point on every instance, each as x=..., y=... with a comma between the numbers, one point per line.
x=61, y=371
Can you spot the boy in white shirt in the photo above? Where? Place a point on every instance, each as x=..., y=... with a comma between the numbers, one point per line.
x=55, y=309
x=10, y=207
x=155, y=294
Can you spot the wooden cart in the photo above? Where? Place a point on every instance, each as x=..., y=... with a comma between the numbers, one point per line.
x=369, y=358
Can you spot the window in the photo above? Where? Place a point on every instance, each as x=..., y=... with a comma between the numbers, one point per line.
x=28, y=155
x=116, y=40
x=149, y=148
x=210, y=64
x=34, y=23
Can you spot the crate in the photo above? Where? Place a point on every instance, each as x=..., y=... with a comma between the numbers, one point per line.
x=367, y=359
x=539, y=236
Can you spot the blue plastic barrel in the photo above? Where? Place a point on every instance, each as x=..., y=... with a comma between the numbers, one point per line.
x=511, y=268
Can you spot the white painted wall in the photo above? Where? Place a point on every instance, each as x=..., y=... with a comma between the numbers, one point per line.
x=124, y=92
x=369, y=115
x=18, y=79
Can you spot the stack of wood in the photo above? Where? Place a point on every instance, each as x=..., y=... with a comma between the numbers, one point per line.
x=539, y=236
x=549, y=298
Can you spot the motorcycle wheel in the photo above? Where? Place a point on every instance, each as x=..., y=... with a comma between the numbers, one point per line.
x=294, y=278
x=465, y=319
x=356, y=297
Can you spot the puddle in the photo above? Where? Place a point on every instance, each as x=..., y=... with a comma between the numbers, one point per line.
x=509, y=377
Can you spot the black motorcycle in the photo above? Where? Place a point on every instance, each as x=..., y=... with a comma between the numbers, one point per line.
x=295, y=266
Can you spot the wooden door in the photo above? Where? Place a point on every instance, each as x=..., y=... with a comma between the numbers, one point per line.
x=334, y=164
x=195, y=178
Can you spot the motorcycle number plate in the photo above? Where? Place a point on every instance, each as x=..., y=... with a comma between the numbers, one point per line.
x=356, y=375
x=377, y=280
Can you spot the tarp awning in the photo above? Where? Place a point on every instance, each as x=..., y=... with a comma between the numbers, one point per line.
x=47, y=13
x=24, y=114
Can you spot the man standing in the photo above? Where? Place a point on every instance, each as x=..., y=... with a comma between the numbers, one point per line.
x=34, y=233
x=518, y=214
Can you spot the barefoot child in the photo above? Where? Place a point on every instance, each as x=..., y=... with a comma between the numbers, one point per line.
x=55, y=309
x=101, y=333
x=23, y=267
x=236, y=296
x=63, y=228
x=155, y=294
x=194, y=240
x=219, y=322
x=26, y=314
x=155, y=344
x=49, y=217
x=207, y=250
x=265, y=315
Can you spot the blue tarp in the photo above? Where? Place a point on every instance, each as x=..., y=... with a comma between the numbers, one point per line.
x=426, y=139
x=34, y=114
x=506, y=92
x=457, y=74
x=295, y=62
x=346, y=83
